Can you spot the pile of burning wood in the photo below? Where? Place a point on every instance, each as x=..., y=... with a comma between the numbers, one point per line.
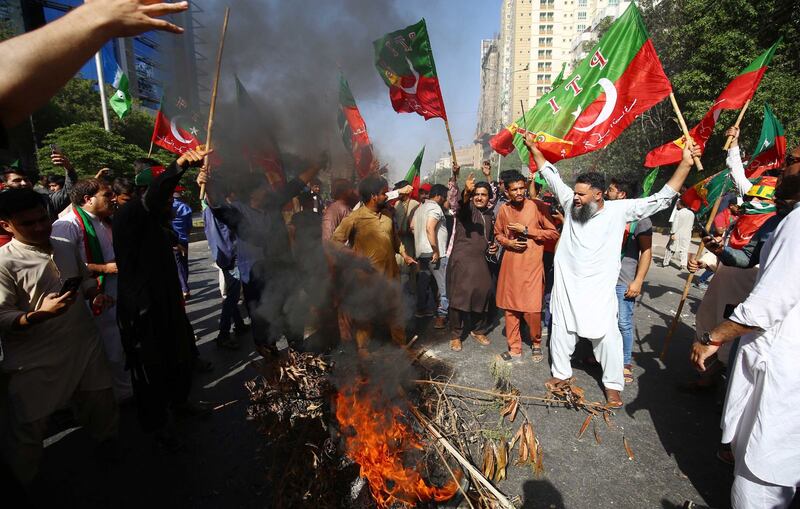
x=355, y=443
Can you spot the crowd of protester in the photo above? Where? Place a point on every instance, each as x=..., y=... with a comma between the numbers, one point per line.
x=94, y=275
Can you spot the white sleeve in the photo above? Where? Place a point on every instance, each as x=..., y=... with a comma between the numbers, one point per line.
x=772, y=299
x=734, y=162
x=68, y=231
x=640, y=208
x=562, y=191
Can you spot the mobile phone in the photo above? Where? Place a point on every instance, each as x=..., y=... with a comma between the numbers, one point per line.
x=54, y=149
x=71, y=285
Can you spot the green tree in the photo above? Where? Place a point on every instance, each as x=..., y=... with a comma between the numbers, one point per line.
x=90, y=148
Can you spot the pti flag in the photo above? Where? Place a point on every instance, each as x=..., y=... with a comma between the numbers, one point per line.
x=413, y=175
x=702, y=195
x=621, y=78
x=735, y=95
x=354, y=131
x=259, y=144
x=177, y=126
x=771, y=148
x=404, y=60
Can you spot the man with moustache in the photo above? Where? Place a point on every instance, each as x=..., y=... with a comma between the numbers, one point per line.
x=522, y=229
x=587, y=265
x=87, y=227
x=371, y=233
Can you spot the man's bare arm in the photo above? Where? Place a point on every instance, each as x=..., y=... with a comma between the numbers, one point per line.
x=38, y=63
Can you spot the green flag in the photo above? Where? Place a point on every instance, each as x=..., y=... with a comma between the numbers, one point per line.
x=121, y=100
x=770, y=150
x=413, y=175
x=647, y=184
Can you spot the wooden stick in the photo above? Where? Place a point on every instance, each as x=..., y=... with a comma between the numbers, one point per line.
x=677, y=318
x=150, y=152
x=450, y=138
x=214, y=89
x=685, y=129
x=475, y=473
x=738, y=121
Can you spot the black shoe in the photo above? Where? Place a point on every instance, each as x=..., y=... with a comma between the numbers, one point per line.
x=202, y=365
x=168, y=441
x=241, y=329
x=227, y=342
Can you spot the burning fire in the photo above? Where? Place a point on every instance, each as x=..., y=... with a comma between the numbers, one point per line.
x=377, y=439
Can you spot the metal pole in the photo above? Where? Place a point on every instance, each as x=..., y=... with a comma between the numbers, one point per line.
x=101, y=84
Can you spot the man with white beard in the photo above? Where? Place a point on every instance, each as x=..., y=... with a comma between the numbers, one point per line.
x=587, y=263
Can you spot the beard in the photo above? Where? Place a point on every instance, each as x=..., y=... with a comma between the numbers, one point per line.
x=584, y=213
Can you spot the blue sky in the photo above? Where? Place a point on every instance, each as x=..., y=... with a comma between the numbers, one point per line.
x=456, y=29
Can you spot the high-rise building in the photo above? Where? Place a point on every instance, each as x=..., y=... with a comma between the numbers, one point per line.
x=537, y=38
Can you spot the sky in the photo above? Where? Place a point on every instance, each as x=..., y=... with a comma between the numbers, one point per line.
x=456, y=28
x=277, y=47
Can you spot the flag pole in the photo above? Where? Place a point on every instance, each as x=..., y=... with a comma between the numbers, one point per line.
x=214, y=89
x=450, y=139
x=101, y=84
x=738, y=121
x=685, y=129
x=676, y=319
x=150, y=152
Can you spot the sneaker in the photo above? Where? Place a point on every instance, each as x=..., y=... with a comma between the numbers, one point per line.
x=226, y=341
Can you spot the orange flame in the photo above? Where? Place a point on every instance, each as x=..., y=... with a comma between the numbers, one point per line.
x=376, y=440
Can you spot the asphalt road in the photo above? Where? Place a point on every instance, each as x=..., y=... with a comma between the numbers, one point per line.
x=673, y=435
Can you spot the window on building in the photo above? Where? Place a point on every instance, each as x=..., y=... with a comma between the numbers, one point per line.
x=582, y=15
x=582, y=3
x=545, y=54
x=581, y=28
x=613, y=2
x=545, y=42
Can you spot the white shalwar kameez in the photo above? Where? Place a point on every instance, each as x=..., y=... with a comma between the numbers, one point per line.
x=68, y=227
x=587, y=263
x=761, y=418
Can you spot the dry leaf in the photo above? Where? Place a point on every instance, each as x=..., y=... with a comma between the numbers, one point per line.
x=628, y=449
x=502, y=460
x=596, y=433
x=585, y=425
x=514, y=410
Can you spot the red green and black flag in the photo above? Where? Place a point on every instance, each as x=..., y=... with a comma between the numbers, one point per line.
x=621, y=78
x=177, y=126
x=735, y=95
x=413, y=175
x=259, y=145
x=404, y=60
x=770, y=151
x=701, y=197
x=354, y=131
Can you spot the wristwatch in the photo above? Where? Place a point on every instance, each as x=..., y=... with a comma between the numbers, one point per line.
x=525, y=232
x=706, y=340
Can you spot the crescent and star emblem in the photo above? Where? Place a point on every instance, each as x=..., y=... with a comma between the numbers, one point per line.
x=175, y=133
x=608, y=108
x=411, y=90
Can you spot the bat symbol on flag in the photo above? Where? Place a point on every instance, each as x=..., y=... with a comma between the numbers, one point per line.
x=608, y=108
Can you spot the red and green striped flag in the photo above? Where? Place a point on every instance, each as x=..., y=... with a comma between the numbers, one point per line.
x=413, y=174
x=621, y=78
x=354, y=131
x=735, y=95
x=770, y=151
x=404, y=60
x=701, y=197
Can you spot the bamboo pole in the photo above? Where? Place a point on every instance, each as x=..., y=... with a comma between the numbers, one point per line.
x=676, y=319
x=214, y=90
x=150, y=152
x=476, y=475
x=685, y=129
x=738, y=121
x=101, y=84
x=450, y=139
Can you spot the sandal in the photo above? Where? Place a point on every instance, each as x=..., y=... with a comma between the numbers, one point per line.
x=613, y=398
x=536, y=351
x=510, y=357
x=480, y=338
x=455, y=344
x=627, y=374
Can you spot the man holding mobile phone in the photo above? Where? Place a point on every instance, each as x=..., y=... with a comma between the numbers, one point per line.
x=53, y=354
